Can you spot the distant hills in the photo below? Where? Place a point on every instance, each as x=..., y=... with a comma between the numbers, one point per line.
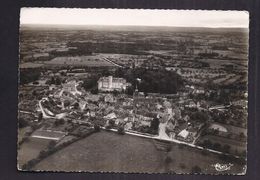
x=129, y=28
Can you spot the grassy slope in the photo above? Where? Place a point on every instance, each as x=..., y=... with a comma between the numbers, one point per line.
x=107, y=151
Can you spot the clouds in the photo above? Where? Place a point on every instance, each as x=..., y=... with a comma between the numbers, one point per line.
x=182, y=18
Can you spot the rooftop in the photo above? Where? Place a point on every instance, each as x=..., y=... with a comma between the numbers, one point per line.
x=106, y=79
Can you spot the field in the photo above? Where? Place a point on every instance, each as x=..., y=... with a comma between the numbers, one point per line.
x=30, y=65
x=22, y=133
x=236, y=130
x=79, y=61
x=107, y=151
x=235, y=146
x=30, y=149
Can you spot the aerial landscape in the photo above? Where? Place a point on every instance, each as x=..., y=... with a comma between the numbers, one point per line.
x=153, y=99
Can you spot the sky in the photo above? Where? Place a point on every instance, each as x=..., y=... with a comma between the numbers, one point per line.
x=135, y=17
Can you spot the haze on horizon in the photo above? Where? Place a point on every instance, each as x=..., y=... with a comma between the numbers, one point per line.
x=134, y=17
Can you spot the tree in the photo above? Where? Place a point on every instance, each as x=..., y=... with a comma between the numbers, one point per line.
x=243, y=153
x=40, y=115
x=144, y=129
x=121, y=130
x=27, y=76
x=168, y=160
x=59, y=122
x=48, y=82
x=91, y=83
x=119, y=72
x=224, y=97
x=130, y=90
x=57, y=81
x=215, y=131
x=51, y=144
x=155, y=125
x=105, y=72
x=229, y=135
x=108, y=127
x=195, y=170
x=94, y=90
x=115, y=92
x=226, y=148
x=154, y=81
x=76, y=105
x=29, y=164
x=216, y=146
x=199, y=116
x=111, y=123
x=34, y=93
x=63, y=73
x=21, y=95
x=22, y=123
x=96, y=128
x=66, y=103
x=52, y=80
x=242, y=136
x=207, y=143
x=42, y=154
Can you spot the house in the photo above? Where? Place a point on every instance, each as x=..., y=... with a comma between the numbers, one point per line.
x=159, y=106
x=118, y=121
x=52, y=87
x=145, y=123
x=109, y=98
x=198, y=91
x=191, y=104
x=176, y=112
x=184, y=134
x=186, y=118
x=128, y=126
x=71, y=87
x=110, y=116
x=92, y=97
x=172, y=135
x=112, y=84
x=242, y=103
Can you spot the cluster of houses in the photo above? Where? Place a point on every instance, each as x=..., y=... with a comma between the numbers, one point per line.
x=132, y=112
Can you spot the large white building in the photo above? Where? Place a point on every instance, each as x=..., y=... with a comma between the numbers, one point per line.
x=112, y=84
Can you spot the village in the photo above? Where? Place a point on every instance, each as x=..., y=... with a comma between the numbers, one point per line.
x=68, y=109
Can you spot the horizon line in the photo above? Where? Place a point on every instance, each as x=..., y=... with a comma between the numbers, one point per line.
x=209, y=27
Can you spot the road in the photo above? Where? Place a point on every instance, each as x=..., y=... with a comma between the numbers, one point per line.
x=49, y=134
x=45, y=115
x=42, y=109
x=105, y=59
x=162, y=133
x=27, y=112
x=174, y=141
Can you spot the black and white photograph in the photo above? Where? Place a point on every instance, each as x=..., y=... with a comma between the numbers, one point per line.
x=133, y=91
